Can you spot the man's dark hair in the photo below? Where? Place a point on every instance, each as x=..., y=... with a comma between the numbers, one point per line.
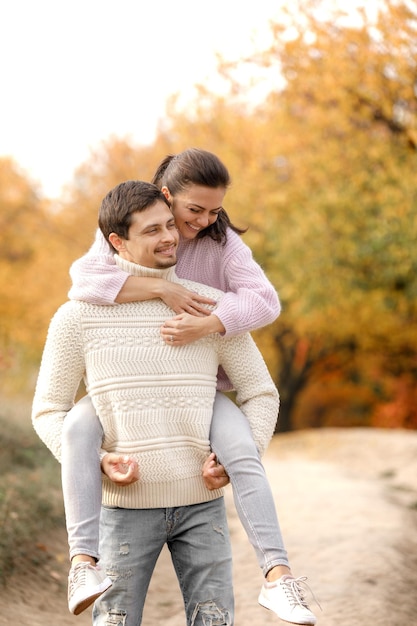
x=118, y=206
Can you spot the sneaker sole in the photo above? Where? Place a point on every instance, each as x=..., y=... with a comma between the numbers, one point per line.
x=84, y=604
x=263, y=602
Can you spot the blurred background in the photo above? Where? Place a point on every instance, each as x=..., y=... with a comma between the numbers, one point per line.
x=314, y=112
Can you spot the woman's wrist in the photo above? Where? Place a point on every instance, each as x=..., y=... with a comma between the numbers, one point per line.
x=213, y=324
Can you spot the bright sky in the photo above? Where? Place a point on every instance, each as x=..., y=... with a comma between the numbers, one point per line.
x=75, y=72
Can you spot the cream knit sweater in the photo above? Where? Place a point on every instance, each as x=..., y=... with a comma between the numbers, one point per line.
x=154, y=400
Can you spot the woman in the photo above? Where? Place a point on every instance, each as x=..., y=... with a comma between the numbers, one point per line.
x=211, y=252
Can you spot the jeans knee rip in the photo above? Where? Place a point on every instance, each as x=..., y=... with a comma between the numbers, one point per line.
x=211, y=614
x=118, y=573
x=124, y=549
x=116, y=617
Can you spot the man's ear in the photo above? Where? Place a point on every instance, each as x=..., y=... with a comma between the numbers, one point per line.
x=116, y=241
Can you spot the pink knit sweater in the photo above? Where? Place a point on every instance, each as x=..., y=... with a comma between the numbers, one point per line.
x=250, y=301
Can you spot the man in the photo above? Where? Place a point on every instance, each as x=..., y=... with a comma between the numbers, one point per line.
x=155, y=404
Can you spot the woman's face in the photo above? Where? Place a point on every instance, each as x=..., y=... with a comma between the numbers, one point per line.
x=196, y=208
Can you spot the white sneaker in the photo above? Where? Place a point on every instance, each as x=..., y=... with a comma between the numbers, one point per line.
x=85, y=584
x=285, y=598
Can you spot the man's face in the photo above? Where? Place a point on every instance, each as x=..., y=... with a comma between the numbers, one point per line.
x=153, y=238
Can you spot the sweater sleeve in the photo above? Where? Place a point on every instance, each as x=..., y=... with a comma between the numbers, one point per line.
x=95, y=276
x=61, y=371
x=256, y=393
x=250, y=301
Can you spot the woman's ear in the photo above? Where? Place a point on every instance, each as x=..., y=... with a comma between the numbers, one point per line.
x=116, y=241
x=167, y=193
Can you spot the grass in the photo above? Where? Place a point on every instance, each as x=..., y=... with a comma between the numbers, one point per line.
x=29, y=502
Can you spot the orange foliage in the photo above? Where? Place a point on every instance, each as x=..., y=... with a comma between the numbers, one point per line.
x=323, y=174
x=401, y=410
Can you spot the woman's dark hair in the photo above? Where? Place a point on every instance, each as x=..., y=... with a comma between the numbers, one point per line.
x=197, y=167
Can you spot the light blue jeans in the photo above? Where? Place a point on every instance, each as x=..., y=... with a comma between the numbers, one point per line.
x=231, y=440
x=198, y=539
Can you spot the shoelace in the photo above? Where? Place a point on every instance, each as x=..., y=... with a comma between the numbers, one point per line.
x=294, y=590
x=78, y=575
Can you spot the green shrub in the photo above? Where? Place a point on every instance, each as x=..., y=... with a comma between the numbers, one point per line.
x=29, y=502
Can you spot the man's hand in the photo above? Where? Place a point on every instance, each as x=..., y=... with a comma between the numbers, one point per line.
x=121, y=469
x=214, y=473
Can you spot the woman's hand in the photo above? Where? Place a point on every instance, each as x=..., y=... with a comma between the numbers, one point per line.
x=121, y=469
x=181, y=300
x=185, y=328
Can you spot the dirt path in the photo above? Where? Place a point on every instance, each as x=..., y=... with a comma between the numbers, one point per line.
x=347, y=503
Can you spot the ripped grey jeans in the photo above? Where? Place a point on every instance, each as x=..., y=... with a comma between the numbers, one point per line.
x=231, y=440
x=198, y=539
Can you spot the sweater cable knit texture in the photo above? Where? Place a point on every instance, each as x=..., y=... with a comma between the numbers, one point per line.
x=154, y=400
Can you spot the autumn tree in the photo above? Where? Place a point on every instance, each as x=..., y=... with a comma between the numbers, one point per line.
x=23, y=220
x=323, y=170
x=345, y=163
x=324, y=173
